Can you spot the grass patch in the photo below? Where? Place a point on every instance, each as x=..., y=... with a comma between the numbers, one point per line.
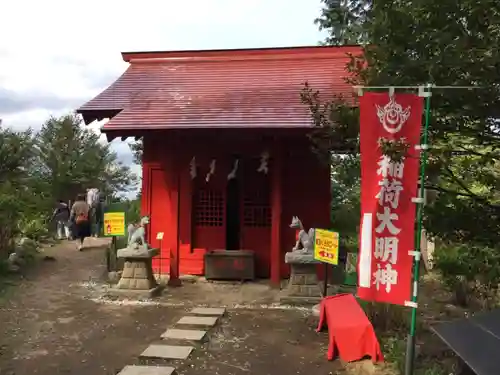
x=393, y=345
x=392, y=325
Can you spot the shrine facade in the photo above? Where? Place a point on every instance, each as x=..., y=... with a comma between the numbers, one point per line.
x=226, y=157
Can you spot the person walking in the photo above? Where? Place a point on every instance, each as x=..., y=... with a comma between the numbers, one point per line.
x=98, y=215
x=93, y=202
x=61, y=217
x=79, y=215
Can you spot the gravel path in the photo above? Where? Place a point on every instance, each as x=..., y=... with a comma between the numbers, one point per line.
x=57, y=320
x=50, y=326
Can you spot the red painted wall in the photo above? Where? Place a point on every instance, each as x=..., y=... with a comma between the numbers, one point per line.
x=158, y=194
x=160, y=217
x=307, y=194
x=305, y=191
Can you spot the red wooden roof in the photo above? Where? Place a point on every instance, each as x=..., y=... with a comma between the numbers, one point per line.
x=219, y=89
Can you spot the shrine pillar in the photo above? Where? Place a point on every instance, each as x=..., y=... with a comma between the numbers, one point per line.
x=276, y=214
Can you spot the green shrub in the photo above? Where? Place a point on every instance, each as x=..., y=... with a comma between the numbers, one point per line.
x=9, y=217
x=349, y=243
x=469, y=268
x=33, y=227
x=394, y=349
x=132, y=209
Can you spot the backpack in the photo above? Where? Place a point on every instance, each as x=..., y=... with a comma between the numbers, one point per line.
x=63, y=209
x=61, y=212
x=81, y=218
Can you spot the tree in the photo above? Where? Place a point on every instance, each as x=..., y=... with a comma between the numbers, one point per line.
x=137, y=150
x=60, y=161
x=16, y=151
x=71, y=159
x=16, y=156
x=408, y=43
x=346, y=194
x=345, y=21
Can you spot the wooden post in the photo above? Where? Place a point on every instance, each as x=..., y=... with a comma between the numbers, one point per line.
x=325, y=281
x=108, y=255
x=276, y=209
x=174, y=279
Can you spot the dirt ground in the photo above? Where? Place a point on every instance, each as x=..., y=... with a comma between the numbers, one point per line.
x=58, y=320
x=264, y=342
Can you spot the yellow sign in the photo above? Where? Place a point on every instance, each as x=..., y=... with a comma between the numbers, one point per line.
x=326, y=246
x=159, y=236
x=114, y=224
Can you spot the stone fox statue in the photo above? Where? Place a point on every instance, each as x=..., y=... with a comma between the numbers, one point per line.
x=305, y=239
x=136, y=233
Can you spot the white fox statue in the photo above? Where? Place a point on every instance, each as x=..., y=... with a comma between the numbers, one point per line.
x=136, y=235
x=305, y=239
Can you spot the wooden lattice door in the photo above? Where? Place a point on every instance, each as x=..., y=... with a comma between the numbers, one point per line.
x=209, y=207
x=208, y=214
x=256, y=217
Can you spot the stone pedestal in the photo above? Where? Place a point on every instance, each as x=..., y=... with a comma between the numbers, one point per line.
x=137, y=276
x=303, y=287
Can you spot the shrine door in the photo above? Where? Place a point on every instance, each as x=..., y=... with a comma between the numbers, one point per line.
x=209, y=227
x=256, y=216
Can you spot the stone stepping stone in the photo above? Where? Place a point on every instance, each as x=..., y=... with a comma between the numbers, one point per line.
x=206, y=321
x=184, y=334
x=147, y=370
x=167, y=351
x=213, y=311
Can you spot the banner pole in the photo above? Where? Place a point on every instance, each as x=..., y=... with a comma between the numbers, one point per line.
x=410, y=347
x=325, y=282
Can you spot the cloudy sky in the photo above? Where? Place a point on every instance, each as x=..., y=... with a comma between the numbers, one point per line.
x=57, y=54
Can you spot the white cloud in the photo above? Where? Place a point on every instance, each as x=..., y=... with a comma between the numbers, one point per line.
x=33, y=118
x=63, y=50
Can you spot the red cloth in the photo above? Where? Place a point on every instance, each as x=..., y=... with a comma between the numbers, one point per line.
x=349, y=329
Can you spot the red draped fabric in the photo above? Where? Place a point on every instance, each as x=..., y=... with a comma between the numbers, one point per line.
x=350, y=332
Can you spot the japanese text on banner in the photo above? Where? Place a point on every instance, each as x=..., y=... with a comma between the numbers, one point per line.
x=387, y=223
x=387, y=189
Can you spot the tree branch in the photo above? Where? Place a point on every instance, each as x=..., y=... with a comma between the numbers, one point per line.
x=472, y=196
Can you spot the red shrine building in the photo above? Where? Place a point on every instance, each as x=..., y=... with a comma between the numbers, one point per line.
x=226, y=161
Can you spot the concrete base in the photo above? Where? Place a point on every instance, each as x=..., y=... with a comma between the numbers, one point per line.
x=300, y=257
x=303, y=287
x=201, y=321
x=137, y=272
x=208, y=311
x=136, y=293
x=184, y=334
x=137, y=253
x=147, y=370
x=167, y=351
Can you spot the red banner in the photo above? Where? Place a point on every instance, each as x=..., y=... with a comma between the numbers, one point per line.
x=387, y=231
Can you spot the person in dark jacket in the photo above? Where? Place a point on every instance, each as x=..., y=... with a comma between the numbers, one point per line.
x=61, y=217
x=97, y=216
